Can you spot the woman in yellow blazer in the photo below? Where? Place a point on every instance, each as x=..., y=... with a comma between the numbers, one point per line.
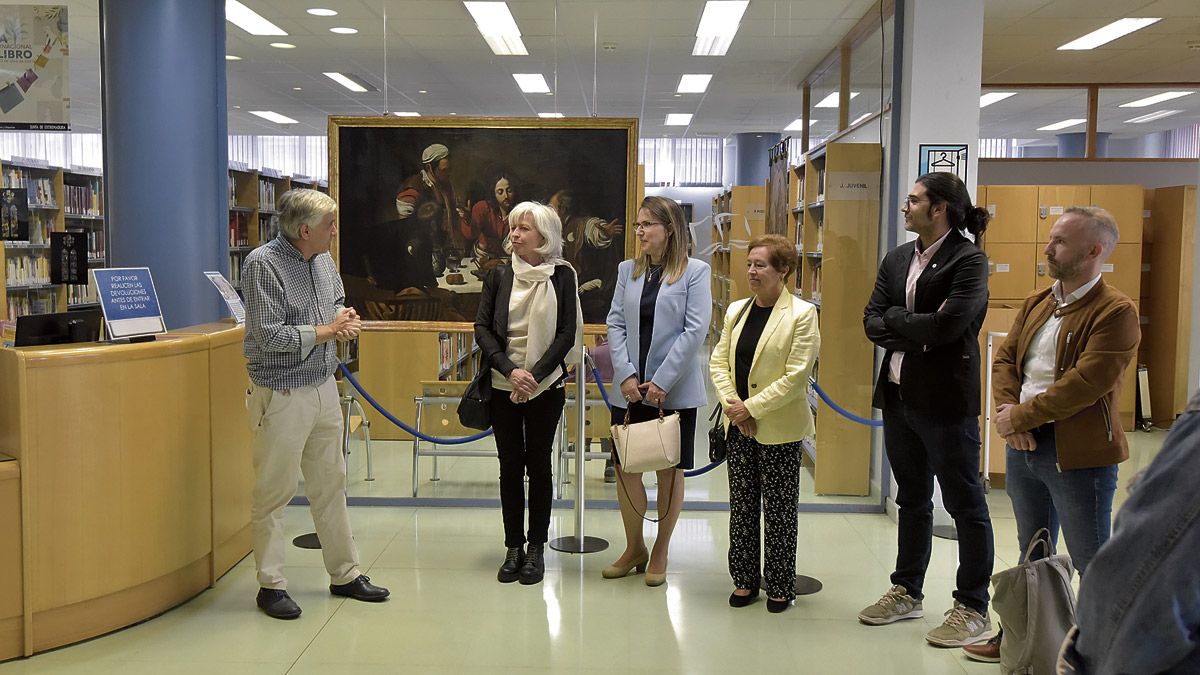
x=760, y=369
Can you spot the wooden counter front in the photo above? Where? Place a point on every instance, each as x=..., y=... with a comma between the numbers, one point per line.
x=119, y=447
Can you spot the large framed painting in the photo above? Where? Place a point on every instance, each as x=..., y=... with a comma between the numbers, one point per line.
x=422, y=205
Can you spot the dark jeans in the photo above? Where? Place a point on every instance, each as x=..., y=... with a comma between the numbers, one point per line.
x=918, y=449
x=524, y=438
x=1042, y=496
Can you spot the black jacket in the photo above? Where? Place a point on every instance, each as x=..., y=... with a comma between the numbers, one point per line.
x=491, y=322
x=940, y=338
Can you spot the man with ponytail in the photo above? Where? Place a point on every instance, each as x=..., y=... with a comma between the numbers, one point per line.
x=926, y=310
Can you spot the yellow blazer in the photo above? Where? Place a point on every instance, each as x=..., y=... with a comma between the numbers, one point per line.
x=778, y=378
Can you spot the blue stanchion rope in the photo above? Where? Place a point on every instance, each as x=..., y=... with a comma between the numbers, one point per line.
x=392, y=418
x=842, y=411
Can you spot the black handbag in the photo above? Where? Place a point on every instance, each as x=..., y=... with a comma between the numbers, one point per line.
x=473, y=409
x=717, y=436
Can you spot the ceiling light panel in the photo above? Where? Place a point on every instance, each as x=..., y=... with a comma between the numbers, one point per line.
x=272, y=116
x=351, y=82
x=1062, y=125
x=694, y=83
x=1158, y=115
x=531, y=83
x=1157, y=98
x=498, y=28
x=550, y=116
x=1112, y=31
x=249, y=20
x=831, y=101
x=678, y=119
x=407, y=114
x=718, y=25
x=994, y=97
x=321, y=11
x=798, y=124
x=342, y=30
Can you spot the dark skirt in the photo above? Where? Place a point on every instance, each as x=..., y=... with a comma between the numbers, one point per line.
x=639, y=412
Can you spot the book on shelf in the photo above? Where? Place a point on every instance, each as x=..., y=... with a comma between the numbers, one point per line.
x=268, y=227
x=35, y=302
x=232, y=191
x=266, y=194
x=26, y=270
x=235, y=269
x=40, y=189
x=239, y=229
x=82, y=200
x=82, y=294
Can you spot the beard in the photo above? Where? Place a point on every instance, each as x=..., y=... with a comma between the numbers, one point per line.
x=1063, y=270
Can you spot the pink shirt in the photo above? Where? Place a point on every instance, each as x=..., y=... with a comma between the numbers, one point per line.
x=920, y=261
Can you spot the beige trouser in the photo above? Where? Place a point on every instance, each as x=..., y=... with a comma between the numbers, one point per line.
x=299, y=430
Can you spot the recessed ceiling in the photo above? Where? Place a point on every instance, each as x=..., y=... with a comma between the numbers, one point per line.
x=625, y=57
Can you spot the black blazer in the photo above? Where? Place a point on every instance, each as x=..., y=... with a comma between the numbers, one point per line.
x=940, y=338
x=491, y=322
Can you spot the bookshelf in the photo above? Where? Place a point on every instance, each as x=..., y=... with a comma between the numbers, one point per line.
x=253, y=216
x=59, y=201
x=835, y=218
x=739, y=216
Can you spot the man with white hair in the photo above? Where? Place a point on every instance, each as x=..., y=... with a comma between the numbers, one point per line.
x=429, y=195
x=1056, y=380
x=295, y=311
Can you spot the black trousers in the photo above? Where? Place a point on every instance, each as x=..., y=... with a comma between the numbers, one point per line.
x=524, y=438
x=920, y=448
x=763, y=479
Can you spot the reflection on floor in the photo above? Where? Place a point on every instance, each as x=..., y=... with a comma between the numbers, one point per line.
x=449, y=615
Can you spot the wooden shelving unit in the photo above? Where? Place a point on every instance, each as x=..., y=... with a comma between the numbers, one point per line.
x=835, y=219
x=59, y=201
x=1167, y=299
x=739, y=216
x=253, y=216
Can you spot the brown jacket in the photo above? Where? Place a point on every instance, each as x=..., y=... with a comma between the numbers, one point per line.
x=1098, y=336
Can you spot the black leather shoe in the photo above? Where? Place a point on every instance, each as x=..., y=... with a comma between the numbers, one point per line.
x=277, y=604
x=361, y=589
x=736, y=600
x=777, y=606
x=510, y=571
x=534, y=567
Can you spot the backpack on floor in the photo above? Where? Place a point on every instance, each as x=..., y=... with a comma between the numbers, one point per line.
x=1036, y=605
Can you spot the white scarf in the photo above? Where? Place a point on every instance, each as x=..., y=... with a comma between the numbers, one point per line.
x=533, y=295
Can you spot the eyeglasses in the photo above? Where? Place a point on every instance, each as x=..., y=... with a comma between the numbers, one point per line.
x=645, y=226
x=913, y=200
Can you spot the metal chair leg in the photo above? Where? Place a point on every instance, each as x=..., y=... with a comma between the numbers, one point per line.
x=366, y=432
x=416, y=446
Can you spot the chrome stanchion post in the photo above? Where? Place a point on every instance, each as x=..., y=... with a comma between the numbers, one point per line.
x=580, y=543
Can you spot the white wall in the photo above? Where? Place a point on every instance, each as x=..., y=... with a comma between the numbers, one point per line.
x=701, y=200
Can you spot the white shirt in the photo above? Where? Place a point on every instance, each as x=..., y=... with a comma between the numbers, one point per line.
x=920, y=261
x=1038, y=369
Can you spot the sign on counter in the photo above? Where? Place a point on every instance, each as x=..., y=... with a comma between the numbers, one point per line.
x=129, y=302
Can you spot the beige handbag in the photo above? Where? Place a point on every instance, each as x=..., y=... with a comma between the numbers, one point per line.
x=647, y=446
x=1037, y=607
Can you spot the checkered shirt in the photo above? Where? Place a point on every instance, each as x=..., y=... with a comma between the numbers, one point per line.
x=287, y=297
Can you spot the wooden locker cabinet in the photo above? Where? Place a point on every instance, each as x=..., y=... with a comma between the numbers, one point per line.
x=1124, y=202
x=1053, y=200
x=1123, y=270
x=1014, y=214
x=1011, y=270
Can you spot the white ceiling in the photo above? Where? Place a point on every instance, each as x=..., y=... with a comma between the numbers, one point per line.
x=632, y=53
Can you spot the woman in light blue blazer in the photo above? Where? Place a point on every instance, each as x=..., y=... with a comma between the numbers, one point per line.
x=656, y=326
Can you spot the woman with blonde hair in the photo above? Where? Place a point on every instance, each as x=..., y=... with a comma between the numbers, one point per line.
x=656, y=326
x=527, y=323
x=760, y=369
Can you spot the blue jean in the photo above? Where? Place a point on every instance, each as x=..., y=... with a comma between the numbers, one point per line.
x=1043, y=497
x=920, y=448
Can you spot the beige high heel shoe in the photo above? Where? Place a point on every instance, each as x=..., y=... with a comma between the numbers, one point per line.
x=656, y=578
x=618, y=572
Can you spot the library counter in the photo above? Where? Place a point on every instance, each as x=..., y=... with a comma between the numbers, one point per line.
x=130, y=489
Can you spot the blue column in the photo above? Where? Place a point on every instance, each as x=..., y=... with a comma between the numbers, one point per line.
x=1074, y=144
x=165, y=147
x=753, y=162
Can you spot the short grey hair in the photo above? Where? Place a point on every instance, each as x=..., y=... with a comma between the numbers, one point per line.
x=1101, y=223
x=545, y=220
x=300, y=206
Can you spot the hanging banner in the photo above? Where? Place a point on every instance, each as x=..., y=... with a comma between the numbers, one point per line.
x=34, y=91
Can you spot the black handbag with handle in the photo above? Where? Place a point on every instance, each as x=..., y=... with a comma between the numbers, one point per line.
x=717, y=436
x=473, y=409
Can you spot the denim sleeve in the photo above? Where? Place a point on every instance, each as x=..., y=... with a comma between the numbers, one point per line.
x=1139, y=603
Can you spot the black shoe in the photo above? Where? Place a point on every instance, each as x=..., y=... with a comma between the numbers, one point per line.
x=534, y=567
x=277, y=604
x=777, y=606
x=510, y=571
x=361, y=589
x=736, y=600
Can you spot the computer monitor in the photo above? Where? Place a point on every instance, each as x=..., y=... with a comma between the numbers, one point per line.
x=61, y=328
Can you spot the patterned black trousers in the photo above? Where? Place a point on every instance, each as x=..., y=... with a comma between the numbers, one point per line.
x=763, y=479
